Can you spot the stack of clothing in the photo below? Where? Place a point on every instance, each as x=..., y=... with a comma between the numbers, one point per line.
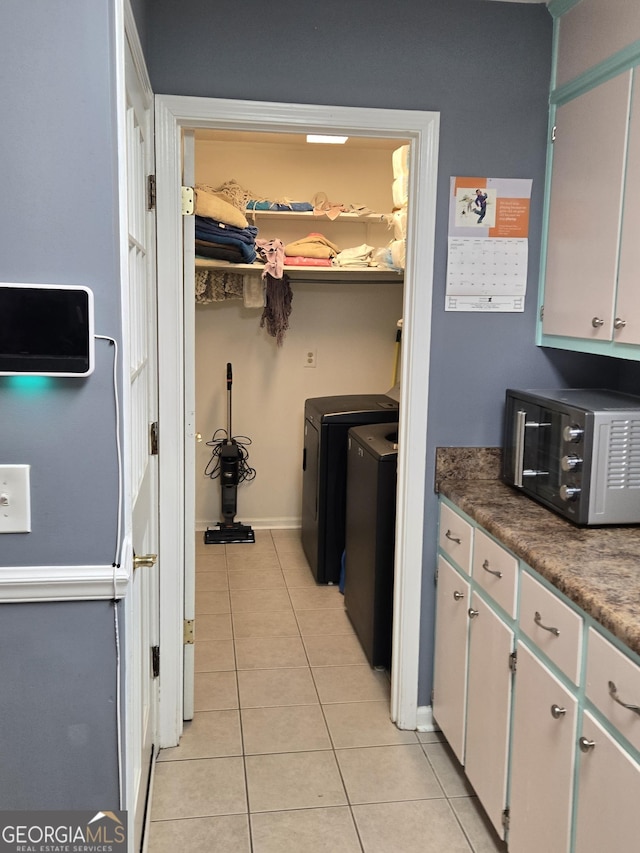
x=222, y=231
x=314, y=250
x=400, y=188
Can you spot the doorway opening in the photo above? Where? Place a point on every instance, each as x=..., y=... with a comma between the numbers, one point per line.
x=176, y=119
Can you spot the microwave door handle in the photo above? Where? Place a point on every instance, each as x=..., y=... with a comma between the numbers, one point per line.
x=518, y=448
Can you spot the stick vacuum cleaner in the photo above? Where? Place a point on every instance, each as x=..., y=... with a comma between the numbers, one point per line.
x=229, y=462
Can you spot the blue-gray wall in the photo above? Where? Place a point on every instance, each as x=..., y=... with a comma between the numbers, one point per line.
x=485, y=66
x=58, y=225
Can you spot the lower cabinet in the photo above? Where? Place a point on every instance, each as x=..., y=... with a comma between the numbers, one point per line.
x=488, y=708
x=549, y=736
x=450, y=674
x=608, y=805
x=542, y=759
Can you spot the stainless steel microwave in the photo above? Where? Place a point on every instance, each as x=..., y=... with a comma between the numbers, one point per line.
x=577, y=451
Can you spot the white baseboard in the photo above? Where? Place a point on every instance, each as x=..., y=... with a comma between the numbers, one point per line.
x=424, y=719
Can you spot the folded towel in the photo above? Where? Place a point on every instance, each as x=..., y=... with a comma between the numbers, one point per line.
x=356, y=256
x=299, y=206
x=314, y=245
x=301, y=261
x=400, y=161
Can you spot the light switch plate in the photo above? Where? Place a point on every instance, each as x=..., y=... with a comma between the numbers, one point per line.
x=15, y=499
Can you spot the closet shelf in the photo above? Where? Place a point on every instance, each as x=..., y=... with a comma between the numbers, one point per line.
x=368, y=218
x=372, y=275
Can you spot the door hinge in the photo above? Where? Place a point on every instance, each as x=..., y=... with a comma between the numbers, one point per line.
x=188, y=204
x=553, y=133
x=506, y=818
x=151, y=192
x=435, y=576
x=542, y=312
x=153, y=438
x=513, y=661
x=155, y=660
x=433, y=696
x=188, y=632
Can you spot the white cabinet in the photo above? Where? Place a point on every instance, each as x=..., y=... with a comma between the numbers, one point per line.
x=450, y=667
x=557, y=744
x=608, y=806
x=585, y=206
x=488, y=708
x=542, y=759
x=474, y=641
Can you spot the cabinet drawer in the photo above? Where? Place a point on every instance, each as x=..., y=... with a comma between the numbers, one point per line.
x=607, y=665
x=496, y=571
x=555, y=628
x=456, y=537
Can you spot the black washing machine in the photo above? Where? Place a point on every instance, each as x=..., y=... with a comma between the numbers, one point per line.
x=327, y=421
x=372, y=461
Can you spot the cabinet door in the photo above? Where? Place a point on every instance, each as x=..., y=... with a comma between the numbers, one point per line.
x=608, y=810
x=542, y=760
x=584, y=212
x=450, y=664
x=627, y=315
x=488, y=708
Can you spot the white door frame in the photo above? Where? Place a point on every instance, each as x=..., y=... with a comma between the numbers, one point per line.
x=173, y=115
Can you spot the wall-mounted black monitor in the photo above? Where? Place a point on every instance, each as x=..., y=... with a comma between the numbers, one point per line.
x=46, y=330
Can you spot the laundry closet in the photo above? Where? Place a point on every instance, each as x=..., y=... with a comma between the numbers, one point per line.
x=342, y=330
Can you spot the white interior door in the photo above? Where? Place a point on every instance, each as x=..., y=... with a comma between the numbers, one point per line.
x=141, y=465
x=189, y=255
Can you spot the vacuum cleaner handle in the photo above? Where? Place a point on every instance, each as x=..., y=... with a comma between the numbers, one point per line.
x=229, y=376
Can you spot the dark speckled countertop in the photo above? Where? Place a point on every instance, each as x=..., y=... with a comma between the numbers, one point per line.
x=597, y=568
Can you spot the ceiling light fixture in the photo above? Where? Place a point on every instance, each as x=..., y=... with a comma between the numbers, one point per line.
x=335, y=140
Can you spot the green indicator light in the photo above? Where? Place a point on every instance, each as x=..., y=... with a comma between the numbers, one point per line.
x=29, y=384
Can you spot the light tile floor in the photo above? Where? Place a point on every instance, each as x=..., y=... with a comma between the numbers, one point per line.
x=291, y=749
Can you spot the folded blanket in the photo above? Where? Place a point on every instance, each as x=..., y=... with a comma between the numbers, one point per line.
x=314, y=245
x=300, y=261
x=215, y=207
x=217, y=251
x=209, y=230
x=302, y=206
x=357, y=256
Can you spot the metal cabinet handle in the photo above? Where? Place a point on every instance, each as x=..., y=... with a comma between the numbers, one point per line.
x=473, y=613
x=557, y=712
x=597, y=322
x=538, y=620
x=450, y=536
x=457, y=595
x=485, y=566
x=619, y=323
x=613, y=692
x=586, y=745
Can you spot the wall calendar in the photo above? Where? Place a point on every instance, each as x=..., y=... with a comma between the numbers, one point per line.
x=488, y=244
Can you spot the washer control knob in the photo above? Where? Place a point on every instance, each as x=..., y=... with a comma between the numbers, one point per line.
x=572, y=433
x=570, y=462
x=569, y=493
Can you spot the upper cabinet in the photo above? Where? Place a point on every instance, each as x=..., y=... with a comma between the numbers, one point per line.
x=591, y=32
x=589, y=296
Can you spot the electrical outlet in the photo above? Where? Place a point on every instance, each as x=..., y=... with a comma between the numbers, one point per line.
x=15, y=499
x=310, y=358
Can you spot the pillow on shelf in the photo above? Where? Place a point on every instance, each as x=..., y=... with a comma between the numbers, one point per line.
x=214, y=207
